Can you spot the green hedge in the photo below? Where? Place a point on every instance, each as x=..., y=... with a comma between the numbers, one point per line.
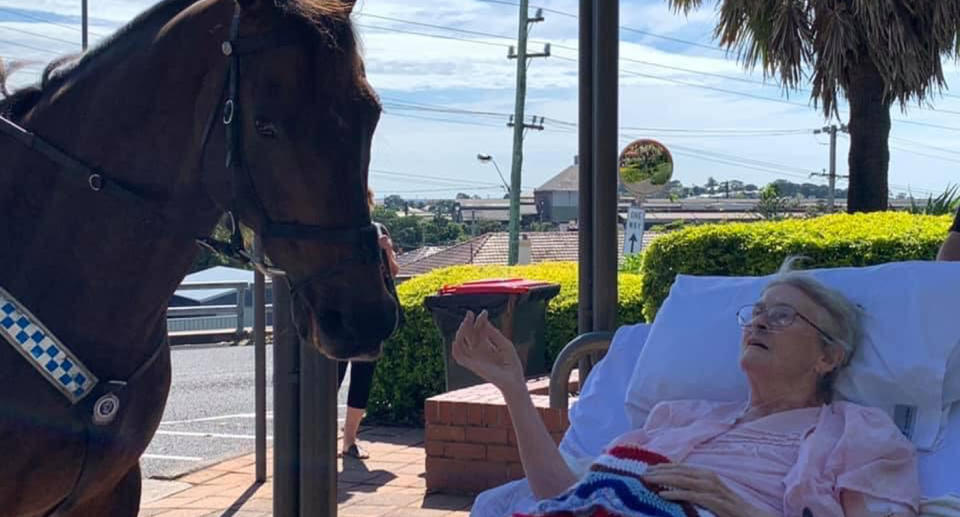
x=411, y=368
x=759, y=248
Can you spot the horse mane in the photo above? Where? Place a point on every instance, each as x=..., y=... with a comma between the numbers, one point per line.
x=17, y=104
x=329, y=17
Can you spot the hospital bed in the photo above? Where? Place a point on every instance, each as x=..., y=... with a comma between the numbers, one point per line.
x=909, y=366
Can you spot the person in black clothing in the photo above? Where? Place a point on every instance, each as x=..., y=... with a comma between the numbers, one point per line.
x=950, y=250
x=361, y=372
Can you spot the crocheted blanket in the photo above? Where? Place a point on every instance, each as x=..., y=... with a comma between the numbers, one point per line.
x=614, y=488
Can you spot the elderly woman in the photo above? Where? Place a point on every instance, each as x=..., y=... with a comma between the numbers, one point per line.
x=790, y=450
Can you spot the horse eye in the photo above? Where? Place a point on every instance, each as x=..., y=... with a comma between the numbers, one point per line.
x=265, y=128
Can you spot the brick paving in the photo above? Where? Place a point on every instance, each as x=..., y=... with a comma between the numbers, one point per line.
x=390, y=484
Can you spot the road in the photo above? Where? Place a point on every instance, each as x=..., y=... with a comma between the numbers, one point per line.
x=210, y=411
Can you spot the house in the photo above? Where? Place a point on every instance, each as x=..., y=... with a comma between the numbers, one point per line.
x=559, y=198
x=478, y=210
x=215, y=297
x=491, y=249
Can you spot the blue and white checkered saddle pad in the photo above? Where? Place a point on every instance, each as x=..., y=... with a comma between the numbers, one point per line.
x=43, y=350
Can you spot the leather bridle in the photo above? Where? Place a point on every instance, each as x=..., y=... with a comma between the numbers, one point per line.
x=362, y=237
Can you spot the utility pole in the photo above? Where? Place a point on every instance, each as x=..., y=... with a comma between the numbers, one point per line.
x=83, y=23
x=518, y=124
x=832, y=175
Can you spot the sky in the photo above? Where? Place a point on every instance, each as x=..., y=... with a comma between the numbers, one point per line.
x=448, y=87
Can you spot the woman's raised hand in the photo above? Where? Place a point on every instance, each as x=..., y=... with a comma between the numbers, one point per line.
x=485, y=351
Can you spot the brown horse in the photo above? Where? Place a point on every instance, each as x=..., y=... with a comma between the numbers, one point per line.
x=144, y=123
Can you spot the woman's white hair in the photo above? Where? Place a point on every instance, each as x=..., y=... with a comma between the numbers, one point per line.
x=845, y=324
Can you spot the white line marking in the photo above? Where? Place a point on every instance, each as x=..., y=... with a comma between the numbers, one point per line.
x=214, y=418
x=212, y=435
x=226, y=417
x=172, y=458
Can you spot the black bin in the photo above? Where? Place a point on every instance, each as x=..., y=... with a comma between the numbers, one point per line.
x=517, y=307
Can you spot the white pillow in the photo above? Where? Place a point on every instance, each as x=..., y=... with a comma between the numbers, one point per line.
x=596, y=418
x=694, y=344
x=940, y=468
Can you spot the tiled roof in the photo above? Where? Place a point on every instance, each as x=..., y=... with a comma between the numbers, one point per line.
x=457, y=254
x=417, y=254
x=492, y=249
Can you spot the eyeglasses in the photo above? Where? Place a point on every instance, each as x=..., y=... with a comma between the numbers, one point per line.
x=778, y=317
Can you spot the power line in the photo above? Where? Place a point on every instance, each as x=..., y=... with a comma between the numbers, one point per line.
x=45, y=20
x=444, y=120
x=409, y=175
x=715, y=157
x=656, y=77
x=622, y=27
x=439, y=109
x=797, y=171
x=918, y=153
x=418, y=191
x=441, y=27
x=404, y=104
x=38, y=35
x=440, y=36
x=31, y=47
x=754, y=96
x=646, y=33
x=928, y=146
x=697, y=85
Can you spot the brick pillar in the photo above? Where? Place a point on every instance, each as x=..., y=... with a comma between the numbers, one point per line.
x=470, y=443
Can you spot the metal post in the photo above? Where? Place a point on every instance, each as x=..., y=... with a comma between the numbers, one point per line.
x=318, y=433
x=83, y=24
x=585, y=170
x=833, y=168
x=286, y=404
x=513, y=249
x=260, y=362
x=241, y=311
x=605, y=158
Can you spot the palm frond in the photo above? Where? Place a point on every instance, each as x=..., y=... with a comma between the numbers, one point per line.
x=684, y=6
x=904, y=40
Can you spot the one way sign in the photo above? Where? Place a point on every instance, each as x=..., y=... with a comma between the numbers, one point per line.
x=633, y=236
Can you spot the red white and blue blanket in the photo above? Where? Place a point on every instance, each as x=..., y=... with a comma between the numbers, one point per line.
x=614, y=488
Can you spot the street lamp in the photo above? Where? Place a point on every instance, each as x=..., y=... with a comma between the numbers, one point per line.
x=486, y=158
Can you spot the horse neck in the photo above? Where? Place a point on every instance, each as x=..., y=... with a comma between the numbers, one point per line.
x=96, y=270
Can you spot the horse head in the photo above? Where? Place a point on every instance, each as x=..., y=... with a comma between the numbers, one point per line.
x=300, y=120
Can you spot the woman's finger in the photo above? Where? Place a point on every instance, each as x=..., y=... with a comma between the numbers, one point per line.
x=675, y=469
x=709, y=501
x=466, y=324
x=481, y=320
x=677, y=481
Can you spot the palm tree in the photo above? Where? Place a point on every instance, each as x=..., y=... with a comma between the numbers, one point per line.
x=873, y=52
